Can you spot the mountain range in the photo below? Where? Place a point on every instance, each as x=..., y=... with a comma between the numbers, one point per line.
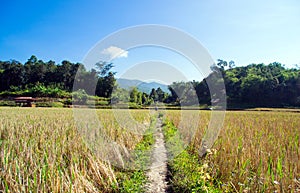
x=141, y=86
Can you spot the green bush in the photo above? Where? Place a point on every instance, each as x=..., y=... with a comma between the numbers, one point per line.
x=80, y=97
x=134, y=106
x=8, y=103
x=67, y=101
x=102, y=103
x=49, y=104
x=38, y=90
x=43, y=104
x=57, y=104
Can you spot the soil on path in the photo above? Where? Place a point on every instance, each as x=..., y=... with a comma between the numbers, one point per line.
x=157, y=174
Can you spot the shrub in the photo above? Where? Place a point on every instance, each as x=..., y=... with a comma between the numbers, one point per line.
x=43, y=104
x=134, y=106
x=8, y=103
x=57, y=104
x=80, y=97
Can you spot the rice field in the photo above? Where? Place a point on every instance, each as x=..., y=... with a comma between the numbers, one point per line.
x=255, y=151
x=42, y=151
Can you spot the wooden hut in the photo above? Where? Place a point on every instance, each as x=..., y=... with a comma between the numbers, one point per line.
x=25, y=101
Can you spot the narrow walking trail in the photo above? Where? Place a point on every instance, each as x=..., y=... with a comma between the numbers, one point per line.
x=157, y=174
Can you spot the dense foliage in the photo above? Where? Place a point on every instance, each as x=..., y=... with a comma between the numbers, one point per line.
x=250, y=86
x=254, y=85
x=41, y=78
x=263, y=85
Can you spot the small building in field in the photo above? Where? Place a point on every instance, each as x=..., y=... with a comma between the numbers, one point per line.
x=25, y=101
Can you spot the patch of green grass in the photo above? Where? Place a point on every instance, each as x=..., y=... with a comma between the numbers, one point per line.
x=130, y=181
x=134, y=181
x=188, y=173
x=174, y=143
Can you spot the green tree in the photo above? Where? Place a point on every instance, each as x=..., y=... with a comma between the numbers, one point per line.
x=153, y=95
x=106, y=82
x=106, y=85
x=161, y=95
x=134, y=95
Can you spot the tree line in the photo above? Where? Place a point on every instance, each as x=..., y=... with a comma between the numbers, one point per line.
x=40, y=78
x=255, y=85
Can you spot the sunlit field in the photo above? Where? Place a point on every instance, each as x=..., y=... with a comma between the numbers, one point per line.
x=255, y=151
x=41, y=150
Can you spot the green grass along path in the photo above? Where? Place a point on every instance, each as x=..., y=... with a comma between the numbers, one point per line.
x=157, y=174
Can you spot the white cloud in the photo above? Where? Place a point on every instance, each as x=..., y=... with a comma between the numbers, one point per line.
x=115, y=52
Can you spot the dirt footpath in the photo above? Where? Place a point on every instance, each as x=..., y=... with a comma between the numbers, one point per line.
x=157, y=174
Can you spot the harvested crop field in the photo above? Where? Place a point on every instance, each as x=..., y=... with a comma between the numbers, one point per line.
x=42, y=151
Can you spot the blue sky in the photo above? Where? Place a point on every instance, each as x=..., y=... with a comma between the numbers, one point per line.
x=244, y=31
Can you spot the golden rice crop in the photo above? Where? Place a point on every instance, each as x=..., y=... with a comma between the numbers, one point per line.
x=42, y=151
x=255, y=151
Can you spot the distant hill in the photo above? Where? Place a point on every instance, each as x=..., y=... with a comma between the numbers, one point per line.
x=142, y=86
x=127, y=83
x=147, y=87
